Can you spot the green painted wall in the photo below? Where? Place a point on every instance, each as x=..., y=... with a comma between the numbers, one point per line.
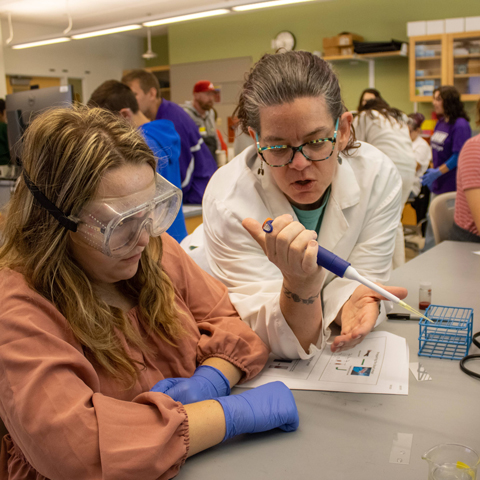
x=160, y=47
x=250, y=33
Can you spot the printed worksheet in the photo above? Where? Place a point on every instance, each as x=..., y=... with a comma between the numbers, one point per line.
x=379, y=364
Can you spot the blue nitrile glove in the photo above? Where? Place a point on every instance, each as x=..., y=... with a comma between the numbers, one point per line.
x=430, y=176
x=266, y=407
x=205, y=383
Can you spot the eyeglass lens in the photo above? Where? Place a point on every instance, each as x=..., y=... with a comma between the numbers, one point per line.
x=313, y=151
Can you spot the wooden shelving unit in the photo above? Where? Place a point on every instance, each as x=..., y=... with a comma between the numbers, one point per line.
x=446, y=62
x=466, y=75
x=428, y=77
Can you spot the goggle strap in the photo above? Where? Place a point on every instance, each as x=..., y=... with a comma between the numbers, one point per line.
x=52, y=209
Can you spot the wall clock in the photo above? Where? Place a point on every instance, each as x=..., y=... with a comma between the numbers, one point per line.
x=284, y=40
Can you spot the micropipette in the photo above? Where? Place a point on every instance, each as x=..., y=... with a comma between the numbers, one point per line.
x=342, y=268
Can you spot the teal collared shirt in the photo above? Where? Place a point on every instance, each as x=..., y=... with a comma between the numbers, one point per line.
x=312, y=219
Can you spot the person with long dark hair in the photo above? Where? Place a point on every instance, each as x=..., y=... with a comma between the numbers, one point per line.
x=368, y=94
x=451, y=132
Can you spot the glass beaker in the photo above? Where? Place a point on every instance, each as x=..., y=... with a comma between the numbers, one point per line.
x=451, y=462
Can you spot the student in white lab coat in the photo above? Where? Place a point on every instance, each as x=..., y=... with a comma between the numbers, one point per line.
x=386, y=128
x=330, y=189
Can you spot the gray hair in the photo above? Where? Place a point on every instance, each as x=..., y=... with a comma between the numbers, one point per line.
x=282, y=78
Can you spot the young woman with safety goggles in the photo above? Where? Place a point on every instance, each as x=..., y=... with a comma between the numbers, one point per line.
x=117, y=352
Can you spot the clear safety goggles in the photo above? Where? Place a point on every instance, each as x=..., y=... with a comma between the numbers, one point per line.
x=113, y=225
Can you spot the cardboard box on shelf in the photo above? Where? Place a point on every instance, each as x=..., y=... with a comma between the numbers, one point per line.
x=346, y=50
x=348, y=39
x=473, y=65
x=331, y=51
x=336, y=51
x=341, y=40
x=330, y=42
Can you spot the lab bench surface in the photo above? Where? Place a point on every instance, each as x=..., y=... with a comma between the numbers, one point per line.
x=350, y=436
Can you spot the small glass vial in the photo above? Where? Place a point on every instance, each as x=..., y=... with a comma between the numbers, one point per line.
x=424, y=295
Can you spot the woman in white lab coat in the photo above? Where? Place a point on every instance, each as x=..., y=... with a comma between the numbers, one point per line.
x=325, y=188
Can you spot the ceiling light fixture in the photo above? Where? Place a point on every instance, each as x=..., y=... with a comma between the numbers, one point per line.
x=149, y=54
x=275, y=3
x=108, y=31
x=43, y=42
x=183, y=18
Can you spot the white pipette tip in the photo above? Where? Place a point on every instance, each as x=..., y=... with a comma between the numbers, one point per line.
x=352, y=274
x=406, y=306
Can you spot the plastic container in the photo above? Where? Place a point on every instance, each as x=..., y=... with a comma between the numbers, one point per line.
x=451, y=462
x=424, y=295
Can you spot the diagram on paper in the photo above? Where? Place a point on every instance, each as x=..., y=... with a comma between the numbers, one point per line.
x=360, y=365
x=379, y=364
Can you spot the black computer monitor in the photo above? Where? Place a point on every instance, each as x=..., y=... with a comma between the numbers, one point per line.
x=23, y=107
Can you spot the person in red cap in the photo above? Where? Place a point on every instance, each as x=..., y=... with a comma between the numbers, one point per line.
x=202, y=113
x=197, y=164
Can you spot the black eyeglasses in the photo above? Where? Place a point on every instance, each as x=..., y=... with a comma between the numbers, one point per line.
x=315, y=150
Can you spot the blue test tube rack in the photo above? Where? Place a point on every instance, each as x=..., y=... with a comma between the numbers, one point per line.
x=450, y=334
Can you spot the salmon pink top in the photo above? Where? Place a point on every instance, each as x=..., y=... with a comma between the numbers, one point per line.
x=68, y=419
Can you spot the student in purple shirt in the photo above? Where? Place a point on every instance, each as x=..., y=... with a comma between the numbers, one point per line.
x=196, y=162
x=451, y=132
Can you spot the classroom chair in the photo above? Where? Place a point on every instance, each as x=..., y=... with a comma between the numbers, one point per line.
x=441, y=213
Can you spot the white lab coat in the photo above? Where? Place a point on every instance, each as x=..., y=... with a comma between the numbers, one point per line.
x=423, y=154
x=393, y=139
x=359, y=225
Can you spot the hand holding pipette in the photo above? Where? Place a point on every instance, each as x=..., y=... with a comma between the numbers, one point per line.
x=293, y=250
x=342, y=268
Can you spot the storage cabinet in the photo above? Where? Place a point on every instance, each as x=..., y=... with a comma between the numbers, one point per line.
x=464, y=69
x=446, y=59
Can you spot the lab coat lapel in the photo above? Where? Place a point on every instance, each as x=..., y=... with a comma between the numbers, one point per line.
x=345, y=193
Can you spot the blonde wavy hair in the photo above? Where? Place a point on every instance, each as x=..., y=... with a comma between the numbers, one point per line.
x=65, y=153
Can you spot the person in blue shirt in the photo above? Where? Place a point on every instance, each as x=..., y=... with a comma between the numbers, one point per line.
x=160, y=136
x=196, y=162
